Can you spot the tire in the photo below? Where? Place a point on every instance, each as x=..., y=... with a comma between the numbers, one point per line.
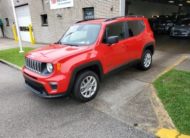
x=89, y=92
x=146, y=65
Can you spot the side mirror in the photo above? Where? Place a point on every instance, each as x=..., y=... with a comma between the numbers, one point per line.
x=112, y=40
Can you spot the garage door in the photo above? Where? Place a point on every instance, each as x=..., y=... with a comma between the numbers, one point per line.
x=24, y=20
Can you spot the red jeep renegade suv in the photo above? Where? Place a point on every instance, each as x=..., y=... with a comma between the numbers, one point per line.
x=86, y=53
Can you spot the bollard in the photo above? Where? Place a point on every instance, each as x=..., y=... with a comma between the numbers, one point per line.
x=32, y=39
x=14, y=33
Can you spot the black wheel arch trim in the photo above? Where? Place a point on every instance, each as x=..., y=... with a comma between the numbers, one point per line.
x=83, y=67
x=148, y=45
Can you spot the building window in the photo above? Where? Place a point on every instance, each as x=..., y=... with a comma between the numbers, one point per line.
x=88, y=13
x=44, y=19
x=7, y=21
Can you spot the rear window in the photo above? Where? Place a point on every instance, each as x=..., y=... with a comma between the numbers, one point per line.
x=135, y=28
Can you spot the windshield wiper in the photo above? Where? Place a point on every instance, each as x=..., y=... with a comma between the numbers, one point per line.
x=70, y=44
x=58, y=42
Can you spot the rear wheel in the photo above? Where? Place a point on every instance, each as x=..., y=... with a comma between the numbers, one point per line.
x=86, y=86
x=146, y=60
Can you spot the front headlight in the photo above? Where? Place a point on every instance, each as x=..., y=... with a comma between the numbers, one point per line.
x=49, y=67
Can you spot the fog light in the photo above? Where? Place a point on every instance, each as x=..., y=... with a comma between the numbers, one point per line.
x=53, y=85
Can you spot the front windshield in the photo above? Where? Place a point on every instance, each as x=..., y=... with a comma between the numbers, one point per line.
x=81, y=34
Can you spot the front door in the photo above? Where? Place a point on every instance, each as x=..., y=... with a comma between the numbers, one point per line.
x=114, y=55
x=24, y=20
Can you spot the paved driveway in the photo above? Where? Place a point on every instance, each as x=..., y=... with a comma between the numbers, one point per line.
x=124, y=101
x=23, y=114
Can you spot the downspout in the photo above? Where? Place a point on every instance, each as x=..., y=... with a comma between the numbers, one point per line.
x=122, y=7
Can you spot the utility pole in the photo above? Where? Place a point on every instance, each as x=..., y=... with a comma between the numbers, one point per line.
x=17, y=27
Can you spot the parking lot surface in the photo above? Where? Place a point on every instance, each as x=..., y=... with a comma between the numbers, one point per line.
x=23, y=114
x=124, y=101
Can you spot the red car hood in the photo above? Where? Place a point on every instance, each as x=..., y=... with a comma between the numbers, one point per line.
x=55, y=52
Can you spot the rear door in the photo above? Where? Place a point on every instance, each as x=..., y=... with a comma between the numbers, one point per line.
x=135, y=38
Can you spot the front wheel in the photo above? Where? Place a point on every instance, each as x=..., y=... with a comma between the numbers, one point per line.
x=146, y=60
x=86, y=86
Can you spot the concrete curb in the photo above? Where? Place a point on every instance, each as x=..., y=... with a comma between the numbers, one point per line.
x=179, y=61
x=10, y=64
x=170, y=133
x=163, y=117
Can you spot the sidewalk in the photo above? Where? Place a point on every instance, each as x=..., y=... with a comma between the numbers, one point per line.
x=10, y=43
x=184, y=66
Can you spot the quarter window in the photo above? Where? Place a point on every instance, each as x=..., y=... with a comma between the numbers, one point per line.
x=135, y=28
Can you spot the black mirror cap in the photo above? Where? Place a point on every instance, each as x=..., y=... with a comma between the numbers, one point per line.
x=112, y=40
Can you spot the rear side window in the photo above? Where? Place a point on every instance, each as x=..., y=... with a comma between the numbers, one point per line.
x=117, y=29
x=135, y=28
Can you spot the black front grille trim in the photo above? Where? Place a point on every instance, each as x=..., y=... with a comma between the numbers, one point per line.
x=33, y=65
x=35, y=85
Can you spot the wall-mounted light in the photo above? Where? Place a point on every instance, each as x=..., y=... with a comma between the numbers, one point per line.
x=59, y=16
x=188, y=1
x=171, y=1
x=111, y=9
x=180, y=4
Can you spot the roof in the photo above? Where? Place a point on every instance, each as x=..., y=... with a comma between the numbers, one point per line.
x=109, y=20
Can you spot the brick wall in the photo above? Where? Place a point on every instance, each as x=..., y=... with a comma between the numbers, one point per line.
x=6, y=12
x=58, y=25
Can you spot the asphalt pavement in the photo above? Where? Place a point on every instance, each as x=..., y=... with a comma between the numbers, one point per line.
x=124, y=101
x=23, y=114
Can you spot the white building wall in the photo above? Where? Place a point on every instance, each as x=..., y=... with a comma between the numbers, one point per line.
x=56, y=25
x=6, y=12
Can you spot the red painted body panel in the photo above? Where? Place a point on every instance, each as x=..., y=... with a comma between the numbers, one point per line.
x=110, y=57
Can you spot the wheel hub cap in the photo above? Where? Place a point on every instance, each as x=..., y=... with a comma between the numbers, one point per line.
x=147, y=60
x=88, y=86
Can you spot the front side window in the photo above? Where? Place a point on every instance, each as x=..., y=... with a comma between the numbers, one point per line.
x=81, y=34
x=135, y=28
x=117, y=29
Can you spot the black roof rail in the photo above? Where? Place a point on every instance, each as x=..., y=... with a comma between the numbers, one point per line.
x=134, y=16
x=114, y=18
x=89, y=20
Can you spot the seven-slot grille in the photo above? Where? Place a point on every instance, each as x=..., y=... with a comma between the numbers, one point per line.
x=33, y=65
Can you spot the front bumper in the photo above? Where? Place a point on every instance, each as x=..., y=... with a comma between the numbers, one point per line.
x=39, y=89
x=42, y=85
